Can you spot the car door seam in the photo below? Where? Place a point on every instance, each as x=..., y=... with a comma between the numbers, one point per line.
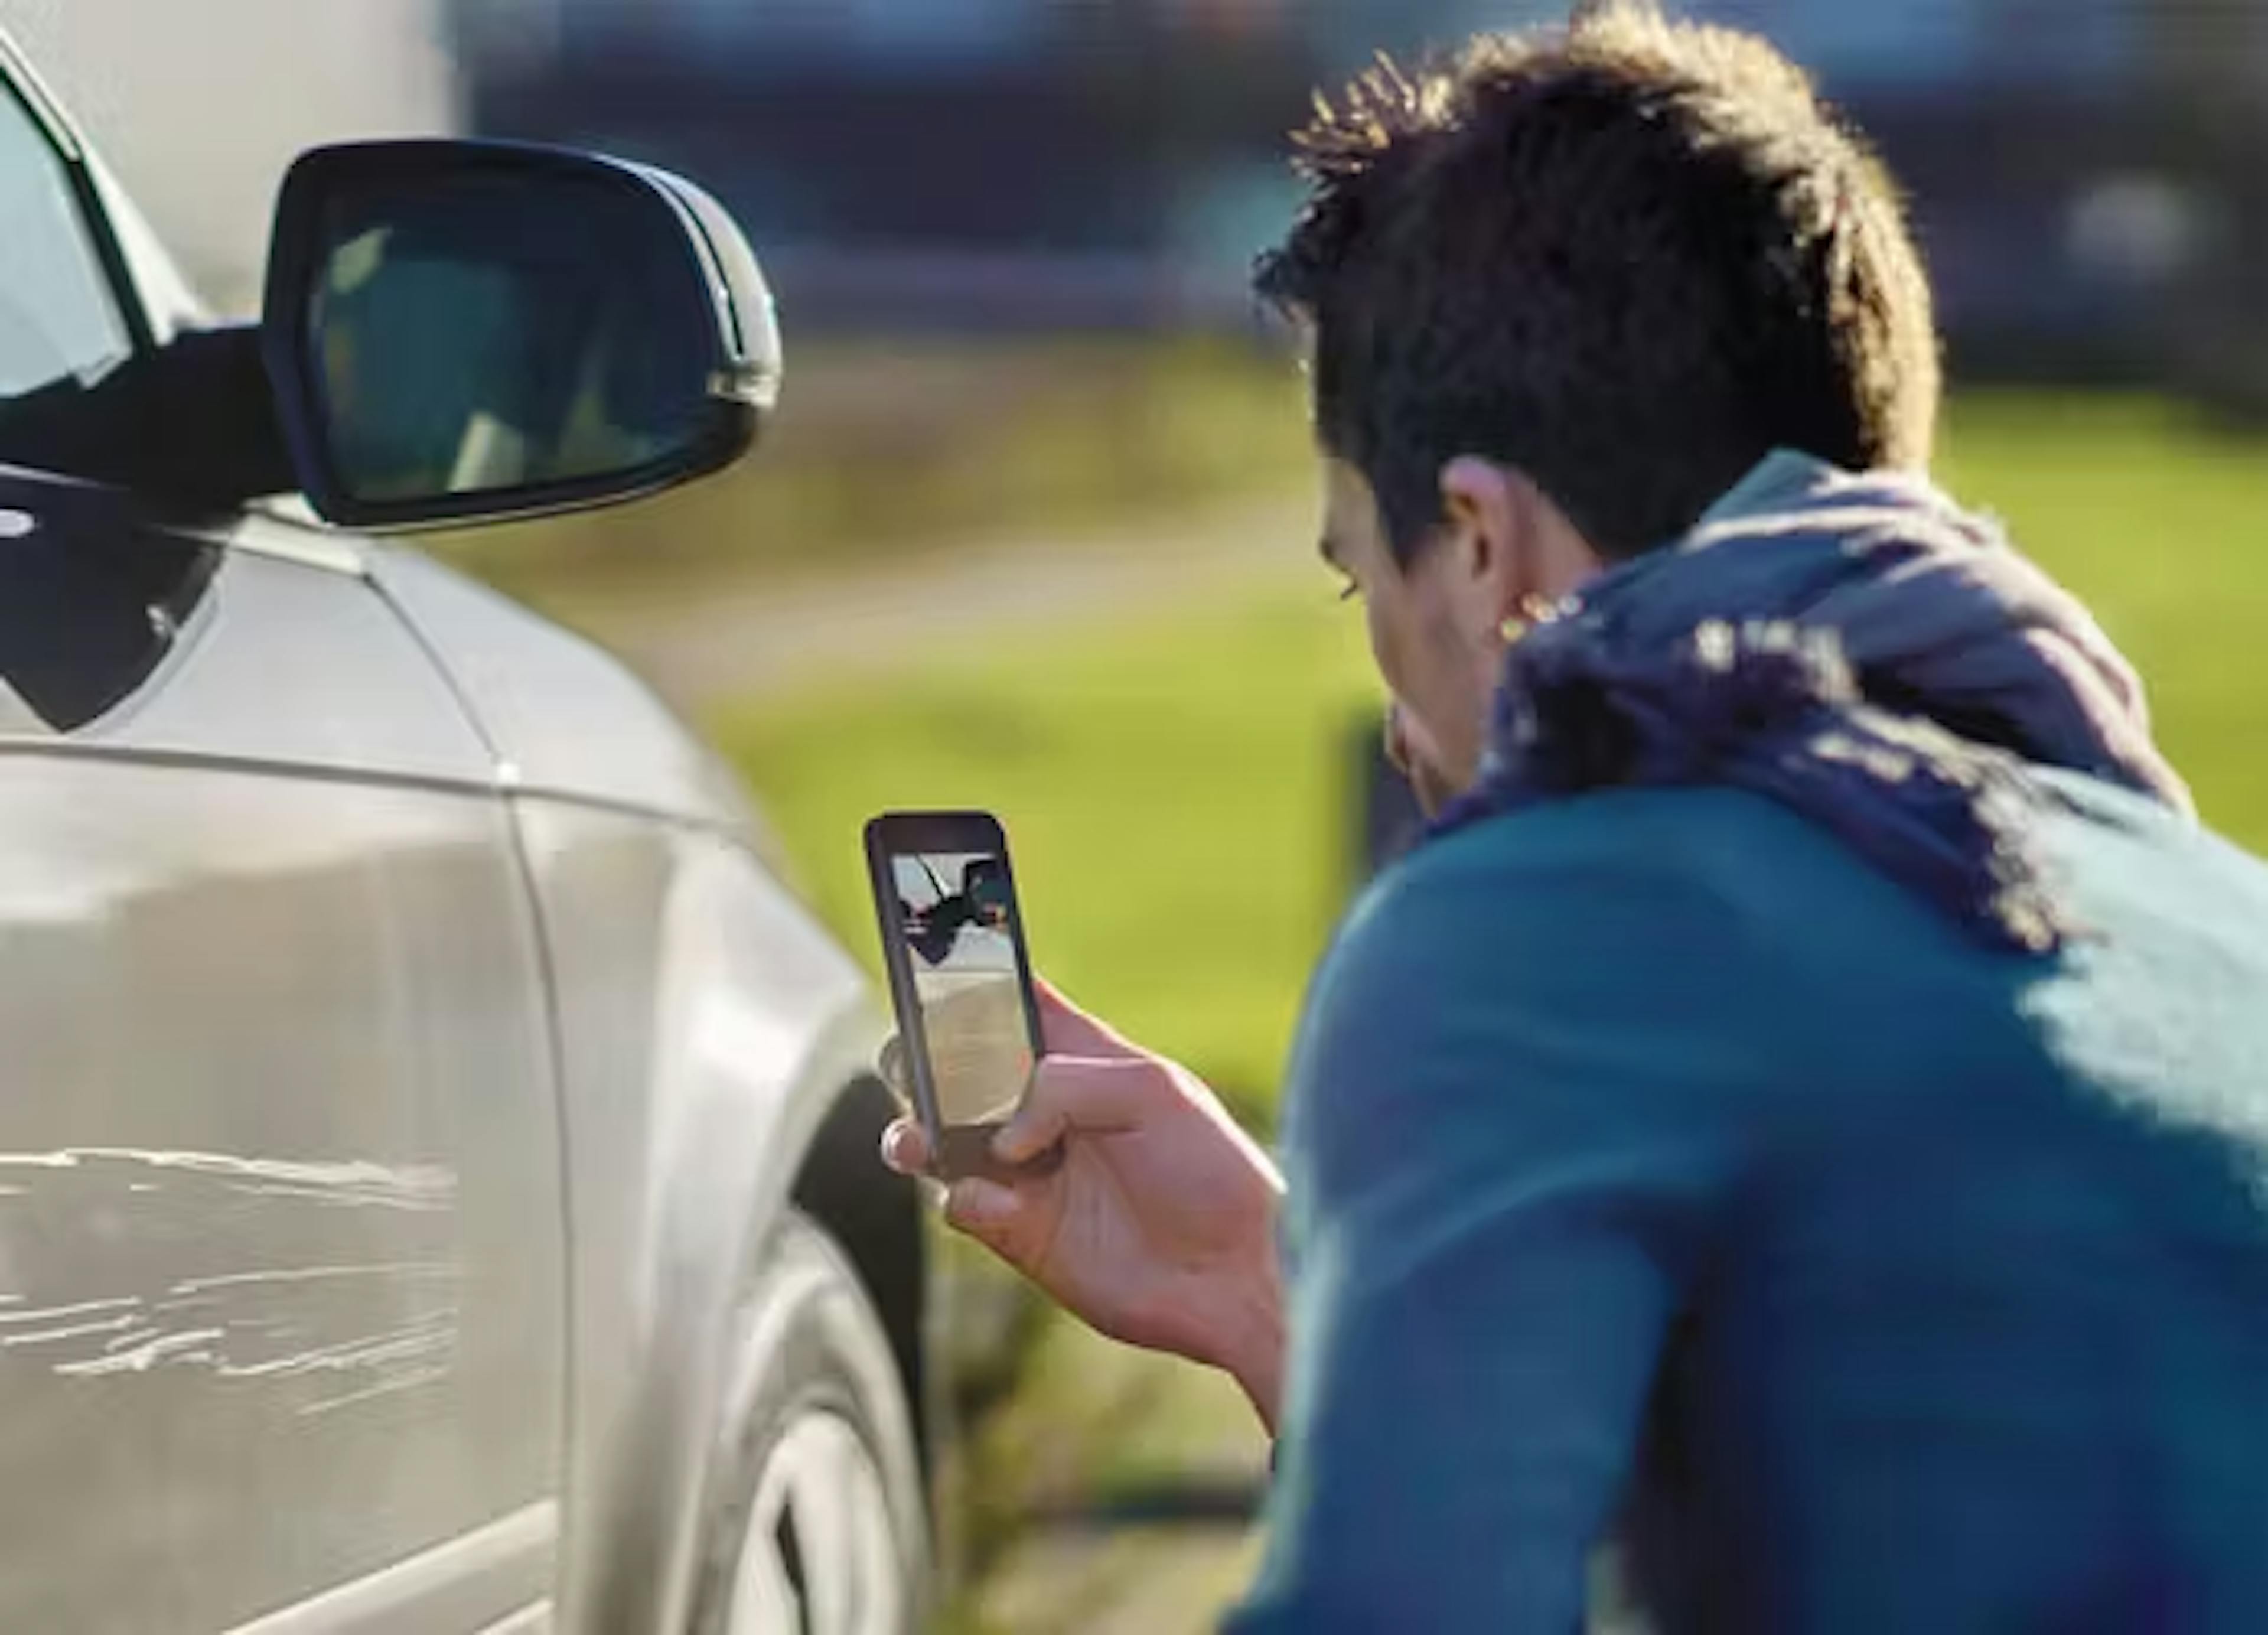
x=508, y=778
x=538, y=922
x=248, y=765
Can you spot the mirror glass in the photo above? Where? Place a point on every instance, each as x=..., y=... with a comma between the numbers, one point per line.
x=477, y=332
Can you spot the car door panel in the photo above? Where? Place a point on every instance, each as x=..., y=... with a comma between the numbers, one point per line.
x=708, y=1024
x=281, y=1280
x=617, y=744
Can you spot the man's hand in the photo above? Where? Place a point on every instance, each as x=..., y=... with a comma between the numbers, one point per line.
x=1159, y=1226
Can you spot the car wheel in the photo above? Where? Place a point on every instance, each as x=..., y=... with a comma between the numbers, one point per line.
x=821, y=1530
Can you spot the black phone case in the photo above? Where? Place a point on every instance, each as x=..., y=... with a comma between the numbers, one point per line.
x=961, y=1149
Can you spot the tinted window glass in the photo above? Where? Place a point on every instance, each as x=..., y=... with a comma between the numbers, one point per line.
x=57, y=320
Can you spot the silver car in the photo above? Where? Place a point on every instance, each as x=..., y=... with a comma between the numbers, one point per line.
x=438, y=1186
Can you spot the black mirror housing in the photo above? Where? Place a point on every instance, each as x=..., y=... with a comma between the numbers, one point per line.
x=458, y=332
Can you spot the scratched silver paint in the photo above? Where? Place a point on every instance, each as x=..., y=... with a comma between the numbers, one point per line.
x=310, y=1322
x=294, y=1191
x=282, y=1282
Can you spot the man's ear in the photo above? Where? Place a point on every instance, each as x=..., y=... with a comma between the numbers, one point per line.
x=1521, y=551
x=1489, y=524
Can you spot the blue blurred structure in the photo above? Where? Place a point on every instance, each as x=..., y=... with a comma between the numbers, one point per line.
x=2083, y=170
x=956, y=162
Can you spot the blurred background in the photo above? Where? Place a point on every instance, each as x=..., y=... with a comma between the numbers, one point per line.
x=1034, y=529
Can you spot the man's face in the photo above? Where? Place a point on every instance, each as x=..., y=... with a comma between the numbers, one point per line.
x=1438, y=653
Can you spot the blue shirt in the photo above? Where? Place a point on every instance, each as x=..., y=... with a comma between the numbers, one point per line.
x=1662, y=1173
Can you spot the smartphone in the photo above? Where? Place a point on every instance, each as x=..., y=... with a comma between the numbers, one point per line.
x=960, y=976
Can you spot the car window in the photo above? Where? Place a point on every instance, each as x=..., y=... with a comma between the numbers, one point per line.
x=57, y=317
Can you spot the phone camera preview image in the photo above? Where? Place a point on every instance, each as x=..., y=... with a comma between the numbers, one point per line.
x=956, y=916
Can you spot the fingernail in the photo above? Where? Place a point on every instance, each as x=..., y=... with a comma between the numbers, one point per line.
x=980, y=1204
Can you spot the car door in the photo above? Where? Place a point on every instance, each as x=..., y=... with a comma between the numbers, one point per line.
x=280, y=1216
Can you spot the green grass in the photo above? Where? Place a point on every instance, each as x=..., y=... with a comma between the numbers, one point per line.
x=1177, y=790
x=885, y=449
x=1175, y=793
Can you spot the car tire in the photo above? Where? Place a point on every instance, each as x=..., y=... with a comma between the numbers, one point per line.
x=821, y=1527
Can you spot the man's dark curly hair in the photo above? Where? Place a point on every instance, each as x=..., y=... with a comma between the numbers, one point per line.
x=1630, y=258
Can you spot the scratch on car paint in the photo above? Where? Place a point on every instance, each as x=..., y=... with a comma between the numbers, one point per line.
x=303, y=1274
x=434, y=1331
x=184, y=1345
x=415, y=1351
x=383, y=1388
x=407, y=1183
x=43, y=1314
x=47, y=1337
x=330, y=1333
x=349, y=1196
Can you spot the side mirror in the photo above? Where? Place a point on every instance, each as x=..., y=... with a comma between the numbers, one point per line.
x=457, y=332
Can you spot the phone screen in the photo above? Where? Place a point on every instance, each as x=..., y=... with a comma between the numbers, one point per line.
x=948, y=901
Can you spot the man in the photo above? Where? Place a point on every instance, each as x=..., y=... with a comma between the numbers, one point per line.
x=1803, y=1113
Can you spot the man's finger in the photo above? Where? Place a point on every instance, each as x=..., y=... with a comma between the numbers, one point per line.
x=905, y=1148
x=987, y=1212
x=891, y=1064
x=1077, y=1094
x=1066, y=1030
